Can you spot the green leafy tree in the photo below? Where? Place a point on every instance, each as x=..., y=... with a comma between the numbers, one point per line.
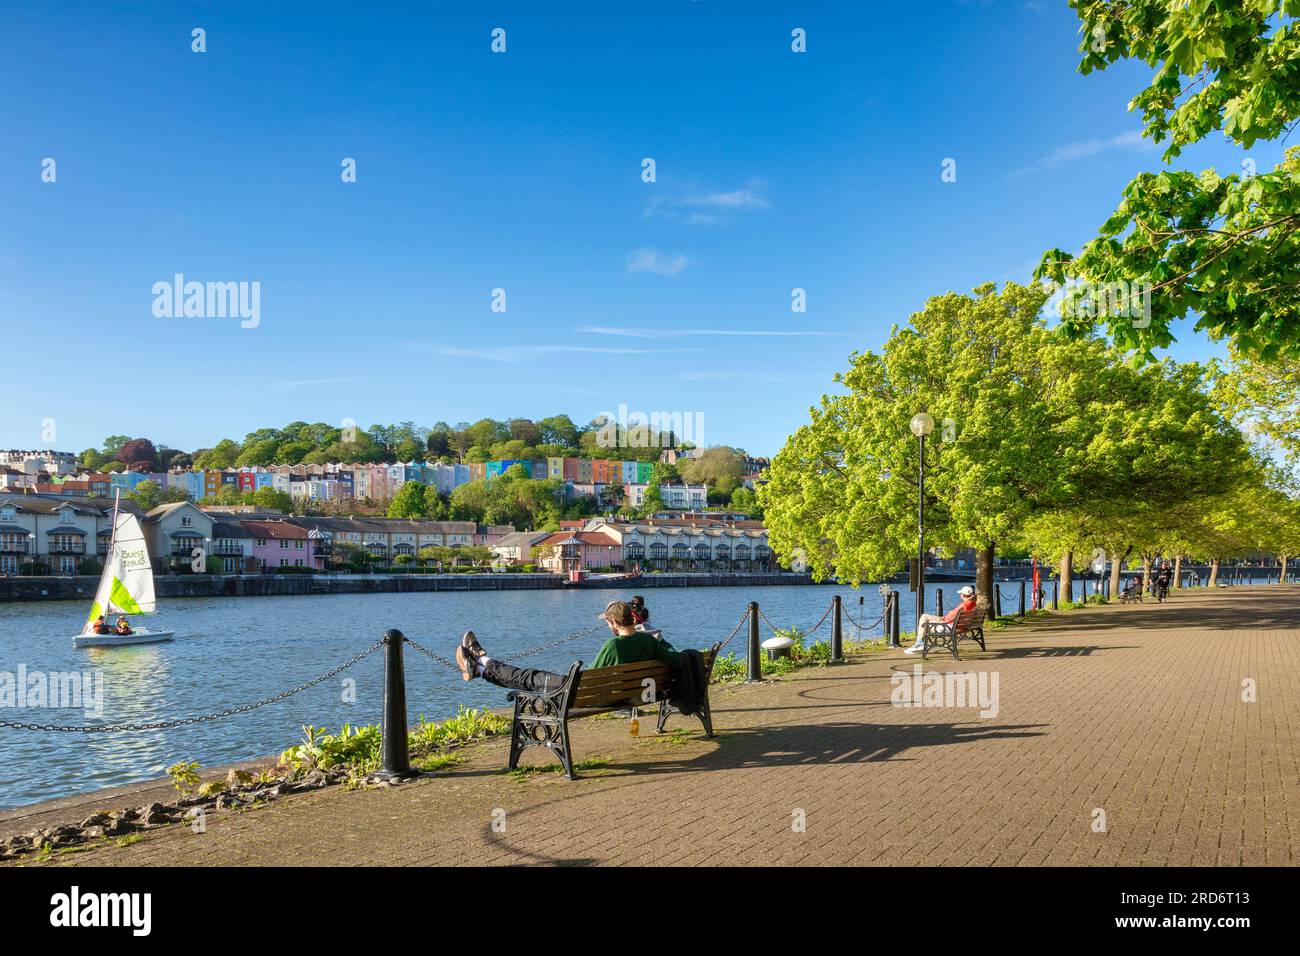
x=469, y=501
x=720, y=467
x=272, y=499
x=262, y=452
x=559, y=430
x=843, y=490
x=146, y=494
x=409, y=502
x=223, y=454
x=1262, y=398
x=1222, y=248
x=112, y=445
x=435, y=506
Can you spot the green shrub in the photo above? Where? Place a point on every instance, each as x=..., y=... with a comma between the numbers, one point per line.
x=358, y=749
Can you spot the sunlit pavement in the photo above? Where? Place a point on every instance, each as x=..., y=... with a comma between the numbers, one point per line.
x=1140, y=735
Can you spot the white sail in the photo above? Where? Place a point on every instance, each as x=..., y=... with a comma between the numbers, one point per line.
x=126, y=586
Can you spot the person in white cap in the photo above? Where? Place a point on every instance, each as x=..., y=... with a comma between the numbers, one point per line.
x=967, y=604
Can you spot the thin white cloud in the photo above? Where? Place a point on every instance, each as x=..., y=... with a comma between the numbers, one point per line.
x=1085, y=149
x=514, y=354
x=647, y=333
x=708, y=207
x=652, y=260
x=735, y=199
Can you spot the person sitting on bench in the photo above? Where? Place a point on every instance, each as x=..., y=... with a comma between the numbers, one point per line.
x=967, y=604
x=626, y=646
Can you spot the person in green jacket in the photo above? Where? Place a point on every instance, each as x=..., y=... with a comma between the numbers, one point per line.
x=626, y=646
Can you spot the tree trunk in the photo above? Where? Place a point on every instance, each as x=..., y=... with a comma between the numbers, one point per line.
x=1146, y=573
x=1067, y=576
x=1115, y=561
x=1178, y=571
x=1214, y=574
x=984, y=579
x=1281, y=575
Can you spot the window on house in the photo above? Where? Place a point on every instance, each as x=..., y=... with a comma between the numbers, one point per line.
x=297, y=544
x=284, y=544
x=186, y=521
x=66, y=517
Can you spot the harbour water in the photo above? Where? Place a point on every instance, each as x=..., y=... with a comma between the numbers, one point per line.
x=229, y=652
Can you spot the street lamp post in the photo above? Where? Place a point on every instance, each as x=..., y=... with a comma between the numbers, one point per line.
x=922, y=424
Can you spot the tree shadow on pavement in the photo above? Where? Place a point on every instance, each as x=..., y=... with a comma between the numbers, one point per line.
x=806, y=745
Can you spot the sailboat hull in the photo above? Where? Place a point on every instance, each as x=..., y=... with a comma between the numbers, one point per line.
x=122, y=640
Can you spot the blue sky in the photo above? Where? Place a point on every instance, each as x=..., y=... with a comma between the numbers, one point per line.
x=522, y=171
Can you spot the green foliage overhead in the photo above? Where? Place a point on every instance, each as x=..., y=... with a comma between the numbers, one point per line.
x=1221, y=248
x=1039, y=440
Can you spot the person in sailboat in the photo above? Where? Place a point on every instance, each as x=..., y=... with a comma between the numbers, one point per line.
x=122, y=626
x=101, y=626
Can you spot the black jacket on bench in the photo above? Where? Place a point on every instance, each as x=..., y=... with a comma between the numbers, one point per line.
x=691, y=686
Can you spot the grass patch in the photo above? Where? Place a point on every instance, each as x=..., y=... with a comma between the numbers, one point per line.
x=678, y=737
x=590, y=763
x=733, y=667
x=436, y=761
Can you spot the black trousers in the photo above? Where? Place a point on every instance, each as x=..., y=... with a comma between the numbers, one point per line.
x=521, y=678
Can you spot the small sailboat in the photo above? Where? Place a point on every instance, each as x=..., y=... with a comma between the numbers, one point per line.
x=125, y=587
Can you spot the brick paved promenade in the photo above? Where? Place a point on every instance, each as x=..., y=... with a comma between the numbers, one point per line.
x=1137, y=711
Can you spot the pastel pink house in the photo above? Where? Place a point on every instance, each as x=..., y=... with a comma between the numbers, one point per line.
x=278, y=544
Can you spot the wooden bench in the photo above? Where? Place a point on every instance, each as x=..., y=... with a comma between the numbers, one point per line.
x=542, y=719
x=968, y=626
x=1131, y=593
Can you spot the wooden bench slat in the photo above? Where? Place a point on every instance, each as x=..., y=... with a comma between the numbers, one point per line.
x=591, y=692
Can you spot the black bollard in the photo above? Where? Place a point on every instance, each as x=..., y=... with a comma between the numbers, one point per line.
x=837, y=632
x=938, y=601
x=997, y=600
x=755, y=670
x=1021, y=612
x=893, y=618
x=1056, y=595
x=396, y=755
x=862, y=613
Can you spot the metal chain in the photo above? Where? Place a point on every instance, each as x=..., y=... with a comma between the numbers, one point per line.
x=168, y=724
x=549, y=644
x=533, y=650
x=743, y=618
x=863, y=627
x=805, y=633
x=428, y=653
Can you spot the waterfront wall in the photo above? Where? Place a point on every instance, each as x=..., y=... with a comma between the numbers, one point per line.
x=268, y=585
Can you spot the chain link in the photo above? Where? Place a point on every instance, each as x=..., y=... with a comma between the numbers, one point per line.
x=864, y=627
x=428, y=653
x=776, y=629
x=743, y=618
x=184, y=721
x=549, y=644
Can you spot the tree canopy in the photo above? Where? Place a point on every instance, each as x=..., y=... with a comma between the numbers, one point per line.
x=1220, y=247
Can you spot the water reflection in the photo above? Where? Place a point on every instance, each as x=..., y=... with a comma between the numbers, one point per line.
x=233, y=651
